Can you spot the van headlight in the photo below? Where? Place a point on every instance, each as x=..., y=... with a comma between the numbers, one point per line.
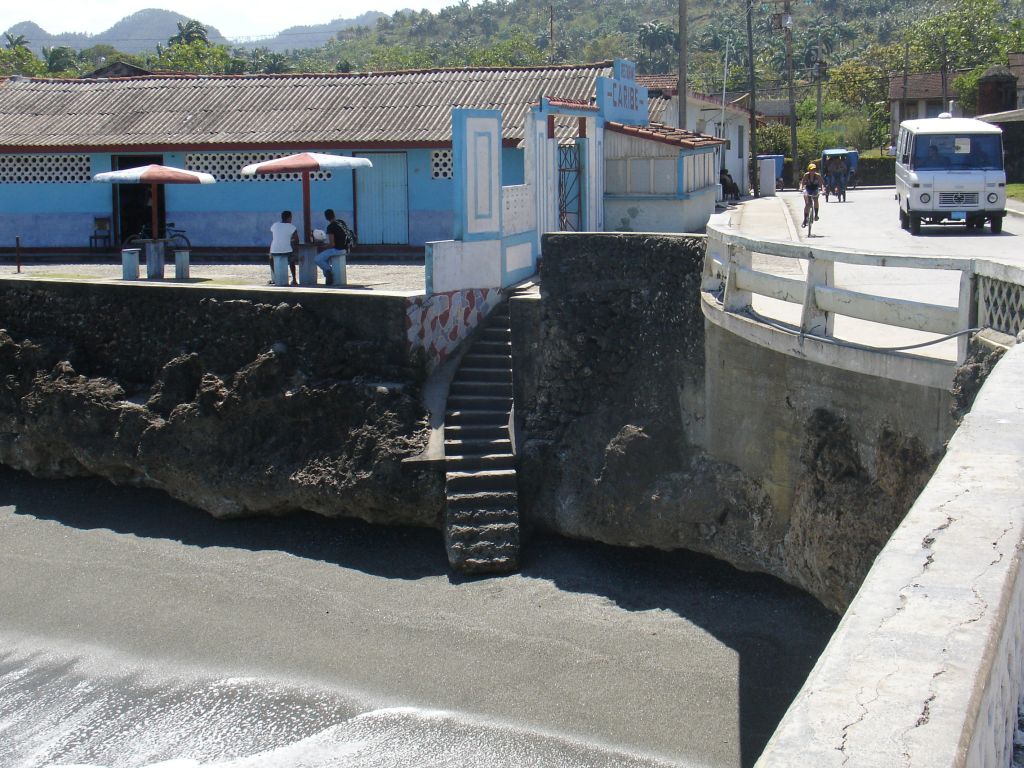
x=993, y=197
x=925, y=197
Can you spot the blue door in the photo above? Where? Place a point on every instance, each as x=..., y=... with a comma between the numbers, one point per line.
x=382, y=200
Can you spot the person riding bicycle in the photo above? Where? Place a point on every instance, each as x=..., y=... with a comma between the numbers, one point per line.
x=811, y=184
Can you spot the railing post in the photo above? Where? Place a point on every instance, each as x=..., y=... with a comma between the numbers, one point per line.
x=736, y=300
x=814, y=320
x=968, y=306
x=714, y=251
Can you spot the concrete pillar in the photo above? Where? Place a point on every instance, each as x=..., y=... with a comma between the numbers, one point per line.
x=130, y=264
x=307, y=264
x=338, y=269
x=181, y=265
x=154, y=259
x=280, y=269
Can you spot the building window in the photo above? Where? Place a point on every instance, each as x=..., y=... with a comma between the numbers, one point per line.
x=739, y=141
x=441, y=164
x=227, y=166
x=44, y=169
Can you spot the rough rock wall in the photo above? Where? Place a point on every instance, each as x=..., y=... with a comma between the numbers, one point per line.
x=234, y=406
x=610, y=376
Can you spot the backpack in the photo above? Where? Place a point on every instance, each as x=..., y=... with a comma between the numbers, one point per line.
x=350, y=236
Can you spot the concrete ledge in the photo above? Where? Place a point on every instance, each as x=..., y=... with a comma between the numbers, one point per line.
x=925, y=667
x=896, y=366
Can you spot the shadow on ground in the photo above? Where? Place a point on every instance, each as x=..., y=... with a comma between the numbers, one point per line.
x=777, y=631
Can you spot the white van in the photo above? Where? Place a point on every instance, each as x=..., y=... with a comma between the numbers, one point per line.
x=950, y=169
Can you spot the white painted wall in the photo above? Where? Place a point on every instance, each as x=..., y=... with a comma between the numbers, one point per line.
x=654, y=214
x=455, y=265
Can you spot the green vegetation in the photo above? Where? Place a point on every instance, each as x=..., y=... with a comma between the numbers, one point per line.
x=1016, y=191
x=851, y=46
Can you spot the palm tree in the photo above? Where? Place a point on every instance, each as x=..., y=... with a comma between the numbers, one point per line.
x=60, y=58
x=190, y=31
x=15, y=41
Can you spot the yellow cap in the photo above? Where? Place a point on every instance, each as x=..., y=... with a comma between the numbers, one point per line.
x=811, y=167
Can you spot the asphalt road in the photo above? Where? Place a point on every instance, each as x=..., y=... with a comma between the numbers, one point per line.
x=869, y=222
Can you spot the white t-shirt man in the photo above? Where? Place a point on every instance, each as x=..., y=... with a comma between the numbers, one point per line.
x=281, y=233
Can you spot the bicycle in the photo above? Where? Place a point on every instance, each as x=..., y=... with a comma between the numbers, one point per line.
x=175, y=239
x=810, y=209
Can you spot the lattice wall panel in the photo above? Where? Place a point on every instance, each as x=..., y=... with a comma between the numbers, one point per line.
x=441, y=164
x=44, y=169
x=1000, y=305
x=227, y=166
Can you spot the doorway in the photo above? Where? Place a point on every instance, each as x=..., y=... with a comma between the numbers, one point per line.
x=382, y=200
x=132, y=201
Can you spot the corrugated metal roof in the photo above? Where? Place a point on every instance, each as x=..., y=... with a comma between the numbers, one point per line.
x=922, y=85
x=359, y=109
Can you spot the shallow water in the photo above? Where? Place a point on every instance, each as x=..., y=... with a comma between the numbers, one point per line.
x=135, y=630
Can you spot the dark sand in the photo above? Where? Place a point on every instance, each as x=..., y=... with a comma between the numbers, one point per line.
x=661, y=654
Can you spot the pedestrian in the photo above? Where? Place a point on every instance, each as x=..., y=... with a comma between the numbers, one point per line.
x=339, y=241
x=284, y=242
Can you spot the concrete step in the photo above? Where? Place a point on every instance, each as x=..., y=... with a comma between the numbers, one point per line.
x=476, y=417
x=498, y=501
x=459, y=516
x=468, y=387
x=470, y=535
x=460, y=402
x=504, y=564
x=466, y=373
x=480, y=461
x=496, y=333
x=477, y=446
x=476, y=431
x=489, y=347
x=458, y=481
x=474, y=359
x=483, y=549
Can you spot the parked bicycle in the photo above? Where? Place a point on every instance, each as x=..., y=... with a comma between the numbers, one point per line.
x=176, y=239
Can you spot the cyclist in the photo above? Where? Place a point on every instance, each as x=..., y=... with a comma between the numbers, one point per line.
x=811, y=184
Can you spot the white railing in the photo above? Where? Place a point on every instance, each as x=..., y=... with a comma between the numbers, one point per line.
x=729, y=272
x=519, y=213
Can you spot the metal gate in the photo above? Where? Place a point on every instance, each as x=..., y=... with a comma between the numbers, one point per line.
x=570, y=207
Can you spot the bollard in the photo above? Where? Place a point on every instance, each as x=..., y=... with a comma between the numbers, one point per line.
x=130, y=264
x=338, y=269
x=155, y=260
x=17, y=252
x=280, y=269
x=181, y=265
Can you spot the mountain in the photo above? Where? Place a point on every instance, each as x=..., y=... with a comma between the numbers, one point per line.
x=312, y=36
x=142, y=31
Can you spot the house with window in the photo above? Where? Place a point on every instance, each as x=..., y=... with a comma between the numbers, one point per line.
x=55, y=135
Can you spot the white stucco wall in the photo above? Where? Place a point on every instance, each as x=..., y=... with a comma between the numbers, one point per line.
x=656, y=214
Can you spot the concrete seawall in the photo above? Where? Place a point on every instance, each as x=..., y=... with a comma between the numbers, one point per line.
x=925, y=667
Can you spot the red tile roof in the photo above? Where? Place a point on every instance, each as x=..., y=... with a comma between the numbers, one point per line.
x=665, y=134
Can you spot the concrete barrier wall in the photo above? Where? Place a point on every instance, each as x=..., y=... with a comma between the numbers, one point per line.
x=925, y=667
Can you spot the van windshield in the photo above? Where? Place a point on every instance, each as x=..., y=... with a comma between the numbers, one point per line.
x=958, y=152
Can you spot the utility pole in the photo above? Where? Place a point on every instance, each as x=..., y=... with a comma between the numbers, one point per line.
x=682, y=64
x=818, y=72
x=787, y=23
x=753, y=101
x=551, y=34
x=945, y=75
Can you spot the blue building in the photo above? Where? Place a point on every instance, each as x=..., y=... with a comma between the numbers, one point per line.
x=55, y=135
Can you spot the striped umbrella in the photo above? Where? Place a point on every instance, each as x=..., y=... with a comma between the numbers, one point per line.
x=154, y=175
x=306, y=163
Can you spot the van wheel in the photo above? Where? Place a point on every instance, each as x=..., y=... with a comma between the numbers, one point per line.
x=904, y=220
x=915, y=224
x=996, y=224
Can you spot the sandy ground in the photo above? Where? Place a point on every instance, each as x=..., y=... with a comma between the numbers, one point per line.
x=673, y=655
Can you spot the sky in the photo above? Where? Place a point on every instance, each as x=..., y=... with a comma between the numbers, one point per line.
x=234, y=18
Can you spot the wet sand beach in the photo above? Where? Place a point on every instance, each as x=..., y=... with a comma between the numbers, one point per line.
x=329, y=634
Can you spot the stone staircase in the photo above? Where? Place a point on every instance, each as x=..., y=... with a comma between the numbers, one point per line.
x=482, y=515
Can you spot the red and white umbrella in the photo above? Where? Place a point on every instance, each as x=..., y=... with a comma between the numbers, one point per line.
x=154, y=175
x=306, y=163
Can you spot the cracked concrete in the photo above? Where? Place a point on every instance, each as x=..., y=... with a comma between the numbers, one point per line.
x=937, y=629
